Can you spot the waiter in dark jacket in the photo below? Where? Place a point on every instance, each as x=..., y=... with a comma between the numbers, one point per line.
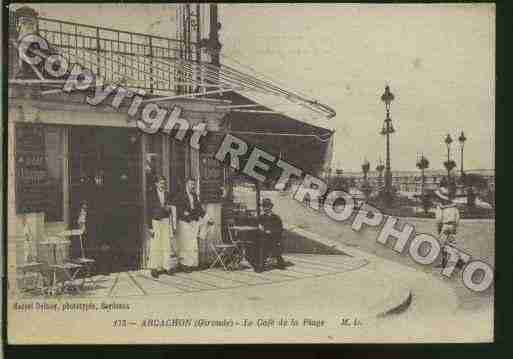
x=160, y=223
x=191, y=217
x=188, y=203
x=270, y=243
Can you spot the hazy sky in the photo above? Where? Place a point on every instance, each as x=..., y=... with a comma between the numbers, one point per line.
x=438, y=59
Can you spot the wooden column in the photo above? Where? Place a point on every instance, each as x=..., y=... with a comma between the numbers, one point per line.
x=172, y=166
x=258, y=196
x=194, y=163
x=144, y=227
x=187, y=151
x=166, y=159
x=11, y=204
x=66, y=177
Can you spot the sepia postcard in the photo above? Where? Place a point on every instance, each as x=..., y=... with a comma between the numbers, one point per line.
x=250, y=173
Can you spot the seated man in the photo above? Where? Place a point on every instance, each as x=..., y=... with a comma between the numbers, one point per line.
x=270, y=243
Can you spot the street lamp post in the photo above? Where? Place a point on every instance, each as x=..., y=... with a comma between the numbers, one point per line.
x=387, y=130
x=450, y=165
x=461, y=140
x=340, y=183
x=448, y=141
x=380, y=168
x=365, y=169
x=422, y=165
x=365, y=185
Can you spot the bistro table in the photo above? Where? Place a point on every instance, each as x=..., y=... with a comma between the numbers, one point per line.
x=32, y=267
x=243, y=237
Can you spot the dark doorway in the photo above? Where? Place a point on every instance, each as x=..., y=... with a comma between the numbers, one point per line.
x=106, y=173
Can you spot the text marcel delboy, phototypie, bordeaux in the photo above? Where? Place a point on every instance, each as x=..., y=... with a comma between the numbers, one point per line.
x=70, y=306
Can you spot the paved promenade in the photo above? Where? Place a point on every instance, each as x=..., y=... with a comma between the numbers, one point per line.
x=441, y=309
x=318, y=291
x=140, y=283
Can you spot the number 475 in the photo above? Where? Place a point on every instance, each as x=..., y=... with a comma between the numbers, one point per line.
x=119, y=323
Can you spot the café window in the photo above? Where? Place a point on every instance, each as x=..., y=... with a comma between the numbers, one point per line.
x=39, y=170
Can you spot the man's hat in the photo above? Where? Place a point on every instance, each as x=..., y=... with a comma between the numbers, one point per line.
x=443, y=193
x=267, y=203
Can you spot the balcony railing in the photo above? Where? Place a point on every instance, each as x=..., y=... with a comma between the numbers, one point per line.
x=161, y=65
x=133, y=59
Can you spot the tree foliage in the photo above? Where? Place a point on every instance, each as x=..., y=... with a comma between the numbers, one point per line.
x=449, y=165
x=423, y=163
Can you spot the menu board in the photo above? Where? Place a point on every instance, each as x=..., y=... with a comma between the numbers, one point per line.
x=211, y=170
x=32, y=180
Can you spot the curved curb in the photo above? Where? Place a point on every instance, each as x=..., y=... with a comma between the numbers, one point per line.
x=405, y=297
x=398, y=309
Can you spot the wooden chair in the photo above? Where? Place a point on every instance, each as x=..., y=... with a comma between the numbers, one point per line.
x=30, y=267
x=86, y=263
x=62, y=273
x=240, y=254
x=231, y=254
x=223, y=254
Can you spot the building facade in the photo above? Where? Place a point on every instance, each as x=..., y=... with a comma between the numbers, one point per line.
x=64, y=152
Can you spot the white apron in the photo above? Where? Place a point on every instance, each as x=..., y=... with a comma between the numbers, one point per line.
x=161, y=246
x=187, y=240
x=206, y=256
x=193, y=249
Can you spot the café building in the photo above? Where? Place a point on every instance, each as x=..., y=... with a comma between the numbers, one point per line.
x=63, y=152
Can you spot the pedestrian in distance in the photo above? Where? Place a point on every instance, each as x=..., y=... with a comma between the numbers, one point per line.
x=447, y=220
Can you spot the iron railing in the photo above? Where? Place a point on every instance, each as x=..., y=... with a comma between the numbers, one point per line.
x=133, y=59
x=158, y=64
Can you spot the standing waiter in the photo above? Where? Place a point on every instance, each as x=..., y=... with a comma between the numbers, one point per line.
x=192, y=219
x=159, y=207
